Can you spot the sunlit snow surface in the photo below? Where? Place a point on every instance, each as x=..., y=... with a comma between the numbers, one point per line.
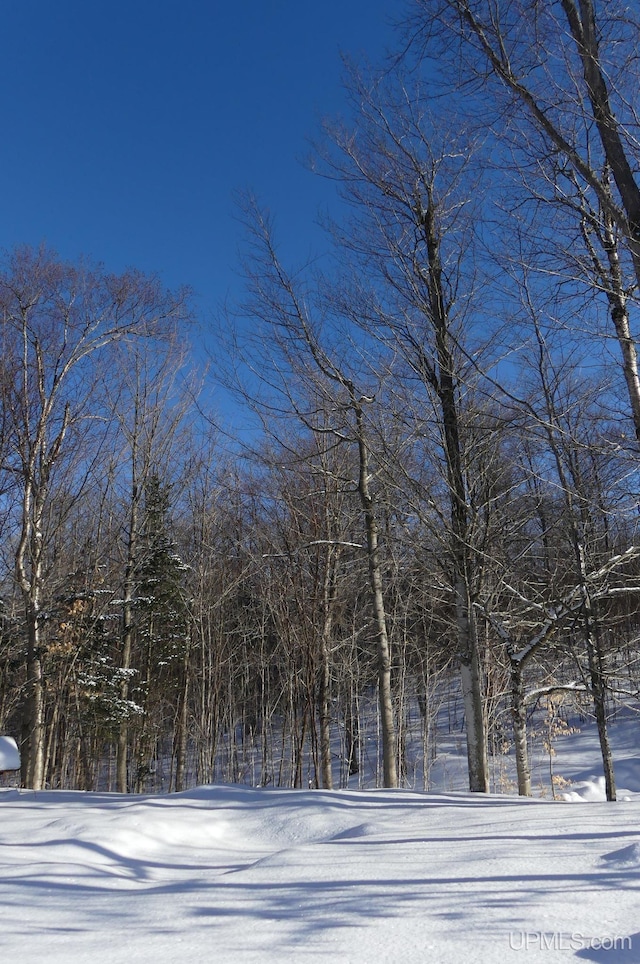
x=227, y=873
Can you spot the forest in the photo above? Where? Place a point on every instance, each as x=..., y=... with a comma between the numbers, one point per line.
x=431, y=507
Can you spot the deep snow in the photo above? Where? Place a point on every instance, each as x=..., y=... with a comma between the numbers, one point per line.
x=228, y=873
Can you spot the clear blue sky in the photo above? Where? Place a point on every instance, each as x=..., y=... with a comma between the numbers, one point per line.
x=128, y=124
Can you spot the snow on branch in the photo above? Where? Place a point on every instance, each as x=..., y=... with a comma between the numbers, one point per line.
x=309, y=545
x=555, y=688
x=568, y=604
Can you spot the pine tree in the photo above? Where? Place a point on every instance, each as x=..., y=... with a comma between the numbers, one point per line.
x=161, y=618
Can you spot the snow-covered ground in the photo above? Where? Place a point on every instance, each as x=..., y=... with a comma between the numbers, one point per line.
x=228, y=873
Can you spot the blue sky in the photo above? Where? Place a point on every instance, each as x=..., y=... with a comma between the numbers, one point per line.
x=128, y=125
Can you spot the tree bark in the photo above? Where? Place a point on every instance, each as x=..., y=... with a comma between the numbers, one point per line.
x=519, y=719
x=385, y=696
x=443, y=383
x=122, y=760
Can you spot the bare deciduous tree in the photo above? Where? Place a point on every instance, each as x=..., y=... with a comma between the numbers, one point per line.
x=409, y=239
x=59, y=323
x=302, y=358
x=564, y=80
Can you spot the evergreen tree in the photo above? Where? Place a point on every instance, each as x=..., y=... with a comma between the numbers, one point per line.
x=161, y=620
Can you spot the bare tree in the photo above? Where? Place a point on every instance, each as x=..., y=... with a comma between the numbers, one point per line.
x=148, y=404
x=59, y=322
x=564, y=80
x=535, y=626
x=303, y=359
x=410, y=188
x=564, y=450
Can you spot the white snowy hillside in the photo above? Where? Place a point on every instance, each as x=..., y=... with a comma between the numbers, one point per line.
x=232, y=874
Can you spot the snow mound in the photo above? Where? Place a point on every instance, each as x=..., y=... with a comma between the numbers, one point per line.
x=592, y=791
x=360, y=830
x=627, y=857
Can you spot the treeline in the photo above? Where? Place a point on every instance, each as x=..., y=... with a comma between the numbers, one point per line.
x=441, y=472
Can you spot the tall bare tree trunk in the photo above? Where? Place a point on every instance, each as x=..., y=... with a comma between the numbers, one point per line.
x=385, y=696
x=29, y=571
x=519, y=719
x=324, y=700
x=182, y=723
x=598, y=685
x=34, y=722
x=122, y=759
x=443, y=382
